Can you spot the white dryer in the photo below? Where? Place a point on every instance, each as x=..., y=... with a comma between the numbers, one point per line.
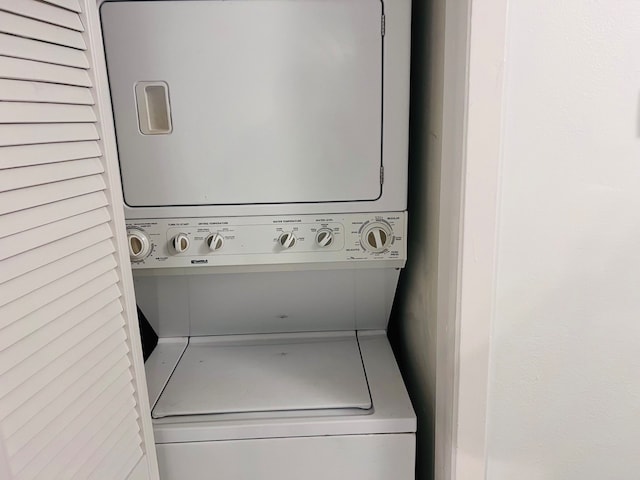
x=263, y=151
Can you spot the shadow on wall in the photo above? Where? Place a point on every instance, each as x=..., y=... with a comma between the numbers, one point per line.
x=412, y=329
x=638, y=126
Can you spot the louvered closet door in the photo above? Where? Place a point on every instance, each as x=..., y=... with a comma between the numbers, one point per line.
x=72, y=399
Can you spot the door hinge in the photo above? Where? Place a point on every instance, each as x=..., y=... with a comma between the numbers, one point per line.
x=381, y=175
x=382, y=25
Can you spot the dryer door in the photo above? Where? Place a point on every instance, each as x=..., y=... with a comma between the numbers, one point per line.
x=246, y=102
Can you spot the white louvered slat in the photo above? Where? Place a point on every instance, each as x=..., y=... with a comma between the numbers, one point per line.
x=38, y=436
x=92, y=437
x=77, y=438
x=28, y=49
x=23, y=220
x=33, y=301
x=30, y=28
x=16, y=178
x=43, y=11
x=34, y=259
x=59, y=317
x=26, y=400
x=32, y=281
x=72, y=5
x=23, y=241
x=100, y=443
x=19, y=112
x=115, y=447
x=112, y=380
x=50, y=379
x=70, y=397
x=17, y=134
x=19, y=352
x=40, y=388
x=124, y=467
x=20, y=430
x=84, y=335
x=82, y=434
x=16, y=200
x=20, y=69
x=41, y=92
x=14, y=330
x=25, y=155
x=113, y=462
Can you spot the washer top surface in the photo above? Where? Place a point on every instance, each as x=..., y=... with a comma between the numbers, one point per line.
x=283, y=373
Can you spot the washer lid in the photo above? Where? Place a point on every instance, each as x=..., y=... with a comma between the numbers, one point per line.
x=266, y=373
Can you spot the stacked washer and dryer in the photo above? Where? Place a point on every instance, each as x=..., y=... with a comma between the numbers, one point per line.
x=263, y=152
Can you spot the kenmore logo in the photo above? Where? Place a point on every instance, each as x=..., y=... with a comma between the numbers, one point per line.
x=199, y=261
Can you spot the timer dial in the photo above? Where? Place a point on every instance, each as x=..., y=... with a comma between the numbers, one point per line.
x=376, y=237
x=287, y=240
x=180, y=243
x=139, y=244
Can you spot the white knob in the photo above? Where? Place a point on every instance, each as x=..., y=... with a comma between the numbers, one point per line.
x=287, y=240
x=215, y=241
x=324, y=237
x=376, y=237
x=180, y=242
x=139, y=244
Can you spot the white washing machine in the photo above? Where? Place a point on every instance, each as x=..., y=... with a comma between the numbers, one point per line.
x=263, y=150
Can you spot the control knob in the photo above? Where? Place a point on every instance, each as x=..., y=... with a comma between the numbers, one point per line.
x=180, y=242
x=139, y=244
x=214, y=241
x=324, y=237
x=287, y=240
x=376, y=237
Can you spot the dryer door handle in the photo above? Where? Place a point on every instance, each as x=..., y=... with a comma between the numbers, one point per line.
x=154, y=112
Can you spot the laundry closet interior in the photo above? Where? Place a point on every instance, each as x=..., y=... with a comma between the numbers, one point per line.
x=273, y=194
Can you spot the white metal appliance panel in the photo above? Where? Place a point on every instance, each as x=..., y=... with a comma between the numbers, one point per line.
x=392, y=411
x=160, y=365
x=270, y=102
x=277, y=372
x=350, y=457
x=257, y=240
x=267, y=302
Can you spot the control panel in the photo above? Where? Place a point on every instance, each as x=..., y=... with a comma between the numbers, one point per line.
x=227, y=241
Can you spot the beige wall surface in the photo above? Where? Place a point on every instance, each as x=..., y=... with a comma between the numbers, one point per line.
x=564, y=392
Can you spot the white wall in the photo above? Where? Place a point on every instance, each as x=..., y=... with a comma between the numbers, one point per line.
x=564, y=390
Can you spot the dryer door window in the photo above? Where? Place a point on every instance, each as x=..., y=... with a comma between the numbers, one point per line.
x=246, y=102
